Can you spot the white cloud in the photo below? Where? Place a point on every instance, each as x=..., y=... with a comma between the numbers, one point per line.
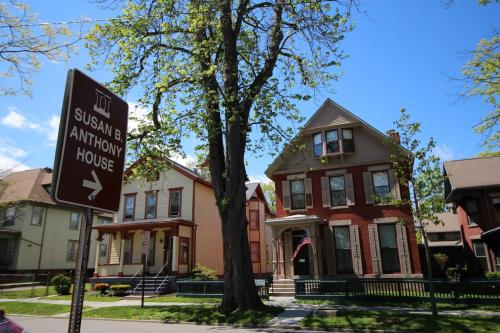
x=14, y=119
x=258, y=178
x=49, y=128
x=444, y=152
x=53, y=130
x=9, y=157
x=136, y=114
x=188, y=160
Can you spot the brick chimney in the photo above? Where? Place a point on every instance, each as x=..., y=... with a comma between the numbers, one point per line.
x=394, y=135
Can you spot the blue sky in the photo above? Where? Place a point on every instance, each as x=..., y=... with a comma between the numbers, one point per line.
x=401, y=54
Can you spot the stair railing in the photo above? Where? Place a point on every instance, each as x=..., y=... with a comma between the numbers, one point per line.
x=133, y=277
x=161, y=284
x=161, y=270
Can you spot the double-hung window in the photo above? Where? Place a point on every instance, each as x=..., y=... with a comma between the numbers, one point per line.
x=332, y=142
x=298, y=194
x=348, y=140
x=317, y=145
x=72, y=250
x=343, y=254
x=472, y=212
x=388, y=248
x=480, y=252
x=381, y=187
x=74, y=220
x=151, y=199
x=174, y=208
x=129, y=207
x=9, y=216
x=337, y=190
x=37, y=215
x=253, y=217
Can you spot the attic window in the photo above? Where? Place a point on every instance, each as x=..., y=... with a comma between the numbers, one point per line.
x=347, y=140
x=332, y=142
x=317, y=145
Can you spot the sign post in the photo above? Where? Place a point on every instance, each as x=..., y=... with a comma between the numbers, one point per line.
x=88, y=165
x=145, y=251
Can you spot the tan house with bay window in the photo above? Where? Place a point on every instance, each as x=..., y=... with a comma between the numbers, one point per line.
x=179, y=212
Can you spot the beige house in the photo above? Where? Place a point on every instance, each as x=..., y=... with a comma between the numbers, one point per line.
x=36, y=234
x=179, y=213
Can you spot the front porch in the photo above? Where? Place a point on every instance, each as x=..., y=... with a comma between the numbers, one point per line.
x=287, y=233
x=120, y=248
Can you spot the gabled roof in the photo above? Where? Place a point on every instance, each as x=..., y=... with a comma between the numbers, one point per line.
x=177, y=167
x=471, y=173
x=329, y=114
x=450, y=224
x=254, y=190
x=27, y=185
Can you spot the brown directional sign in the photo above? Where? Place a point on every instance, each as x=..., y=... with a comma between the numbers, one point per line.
x=90, y=154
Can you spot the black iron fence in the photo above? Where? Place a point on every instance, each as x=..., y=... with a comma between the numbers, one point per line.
x=399, y=289
x=200, y=288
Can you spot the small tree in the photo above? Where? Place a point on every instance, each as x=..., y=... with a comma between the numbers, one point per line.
x=269, y=193
x=419, y=173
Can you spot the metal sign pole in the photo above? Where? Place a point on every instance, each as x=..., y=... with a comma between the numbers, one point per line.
x=143, y=281
x=75, y=319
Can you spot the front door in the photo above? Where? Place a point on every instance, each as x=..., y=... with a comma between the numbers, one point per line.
x=301, y=261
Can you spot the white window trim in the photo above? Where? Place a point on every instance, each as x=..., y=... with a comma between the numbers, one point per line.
x=294, y=177
x=339, y=223
x=336, y=172
x=382, y=220
x=381, y=167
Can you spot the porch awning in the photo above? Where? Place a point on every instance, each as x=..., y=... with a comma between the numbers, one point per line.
x=9, y=233
x=492, y=234
x=140, y=225
x=294, y=219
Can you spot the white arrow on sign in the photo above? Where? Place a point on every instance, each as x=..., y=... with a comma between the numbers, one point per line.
x=94, y=185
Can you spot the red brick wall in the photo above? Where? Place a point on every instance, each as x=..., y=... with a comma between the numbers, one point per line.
x=360, y=214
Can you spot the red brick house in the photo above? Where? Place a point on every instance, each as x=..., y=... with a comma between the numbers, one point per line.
x=327, y=191
x=473, y=186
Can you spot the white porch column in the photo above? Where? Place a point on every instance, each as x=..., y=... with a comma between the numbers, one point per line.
x=122, y=254
x=97, y=256
x=175, y=253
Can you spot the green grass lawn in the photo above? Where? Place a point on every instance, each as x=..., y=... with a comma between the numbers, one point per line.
x=390, y=321
x=39, y=291
x=201, y=314
x=419, y=305
x=180, y=299
x=38, y=309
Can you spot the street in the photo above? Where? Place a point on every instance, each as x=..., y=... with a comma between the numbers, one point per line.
x=60, y=325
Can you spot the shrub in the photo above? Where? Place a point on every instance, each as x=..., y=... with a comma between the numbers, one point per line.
x=455, y=274
x=120, y=289
x=493, y=276
x=62, y=284
x=441, y=260
x=101, y=288
x=201, y=272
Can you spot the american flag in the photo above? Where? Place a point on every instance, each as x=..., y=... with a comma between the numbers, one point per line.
x=304, y=241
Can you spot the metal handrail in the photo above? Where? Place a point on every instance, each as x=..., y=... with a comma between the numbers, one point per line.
x=133, y=277
x=161, y=284
x=161, y=269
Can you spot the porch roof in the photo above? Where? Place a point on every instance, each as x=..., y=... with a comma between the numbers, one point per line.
x=142, y=225
x=492, y=234
x=452, y=243
x=293, y=219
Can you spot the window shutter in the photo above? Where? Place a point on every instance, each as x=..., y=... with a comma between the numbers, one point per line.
x=394, y=183
x=375, y=249
x=285, y=190
x=404, y=254
x=357, y=263
x=349, y=189
x=368, y=183
x=308, y=192
x=325, y=191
